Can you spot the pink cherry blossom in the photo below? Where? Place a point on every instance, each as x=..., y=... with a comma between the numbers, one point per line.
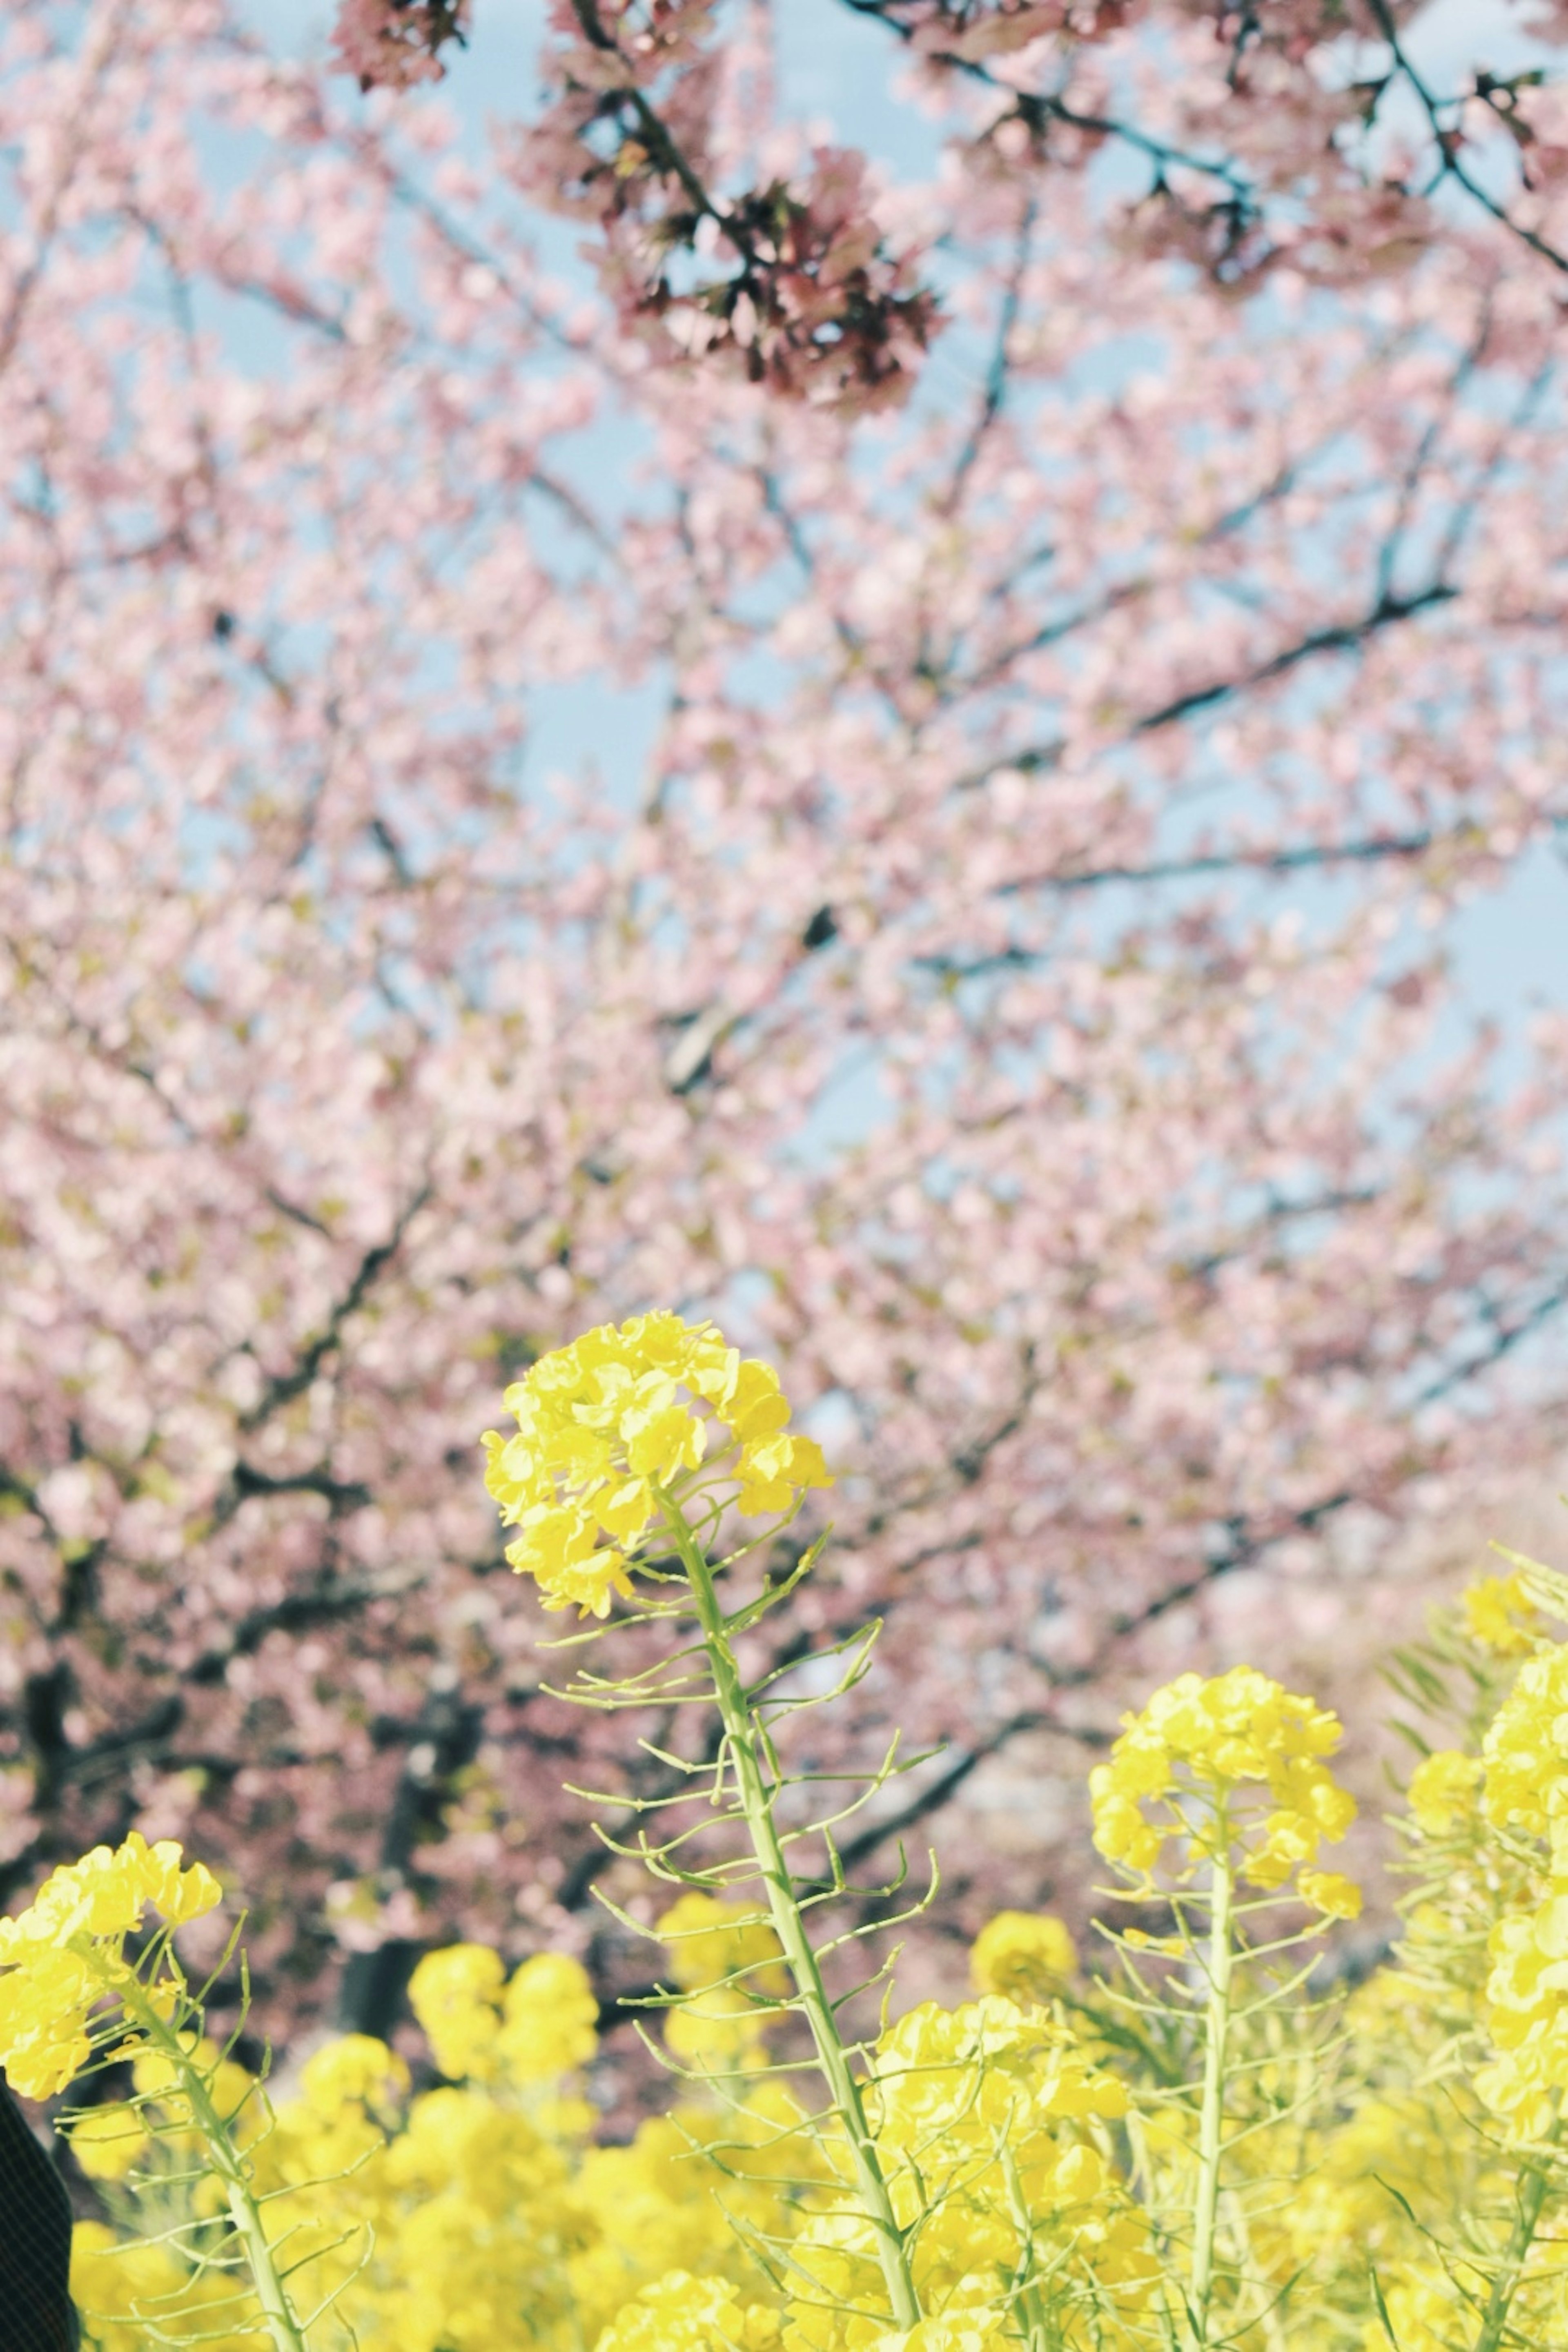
x=394, y=44
x=1013, y=985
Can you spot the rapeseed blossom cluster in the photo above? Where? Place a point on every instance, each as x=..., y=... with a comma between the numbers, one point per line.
x=680, y=2313
x=713, y=1942
x=1524, y=1755
x=482, y=2025
x=1500, y=1616
x=1525, y=1764
x=1187, y=1767
x=1444, y=1790
x=1197, y=2147
x=481, y=2213
x=989, y=2123
x=135, y=2295
x=63, y=1958
x=621, y=1415
x=1028, y=1954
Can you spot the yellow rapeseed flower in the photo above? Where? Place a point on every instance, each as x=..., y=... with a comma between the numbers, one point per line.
x=1524, y=1759
x=108, y=2141
x=681, y=2313
x=710, y=1941
x=1525, y=1751
x=726, y=1958
x=455, y=1993
x=1500, y=1615
x=481, y=2026
x=61, y=1958
x=1443, y=1790
x=549, y=2018
x=1330, y=1891
x=1024, y=1953
x=622, y=1413
x=989, y=2122
x=1216, y=1741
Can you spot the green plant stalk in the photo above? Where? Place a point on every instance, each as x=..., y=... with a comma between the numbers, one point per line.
x=1029, y=2305
x=1532, y=2202
x=1211, y=2115
x=244, y=2213
x=742, y=1733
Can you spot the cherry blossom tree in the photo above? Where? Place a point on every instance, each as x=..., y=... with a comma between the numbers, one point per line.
x=1014, y=991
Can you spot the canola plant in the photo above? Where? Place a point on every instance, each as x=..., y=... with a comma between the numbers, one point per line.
x=1204, y=2138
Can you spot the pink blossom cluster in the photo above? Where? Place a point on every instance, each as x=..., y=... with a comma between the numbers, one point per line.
x=395, y=44
x=790, y=278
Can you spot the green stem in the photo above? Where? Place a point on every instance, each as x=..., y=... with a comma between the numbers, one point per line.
x=1211, y=2117
x=1029, y=2304
x=1531, y=2199
x=756, y=1801
x=231, y=2169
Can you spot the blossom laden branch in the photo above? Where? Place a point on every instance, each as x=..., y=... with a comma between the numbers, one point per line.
x=814, y=303
x=396, y=44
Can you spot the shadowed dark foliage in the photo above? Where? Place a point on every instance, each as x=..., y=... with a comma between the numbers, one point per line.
x=35, y=2310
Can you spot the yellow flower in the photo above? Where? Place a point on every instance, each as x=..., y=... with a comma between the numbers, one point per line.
x=1024, y=1953
x=1215, y=1740
x=60, y=1959
x=1427, y=2312
x=608, y=1424
x=44, y=2012
x=716, y=2032
x=1336, y=1897
x=726, y=1958
x=549, y=2018
x=455, y=1993
x=105, y=1894
x=710, y=1941
x=1500, y=1615
x=107, y=2141
x=355, y=2070
x=681, y=2313
x=1524, y=1760
x=987, y=2120
x=133, y=2295
x=965, y=2331
x=1525, y=1752
x=540, y=2025
x=1443, y=1789
x=1527, y=2015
